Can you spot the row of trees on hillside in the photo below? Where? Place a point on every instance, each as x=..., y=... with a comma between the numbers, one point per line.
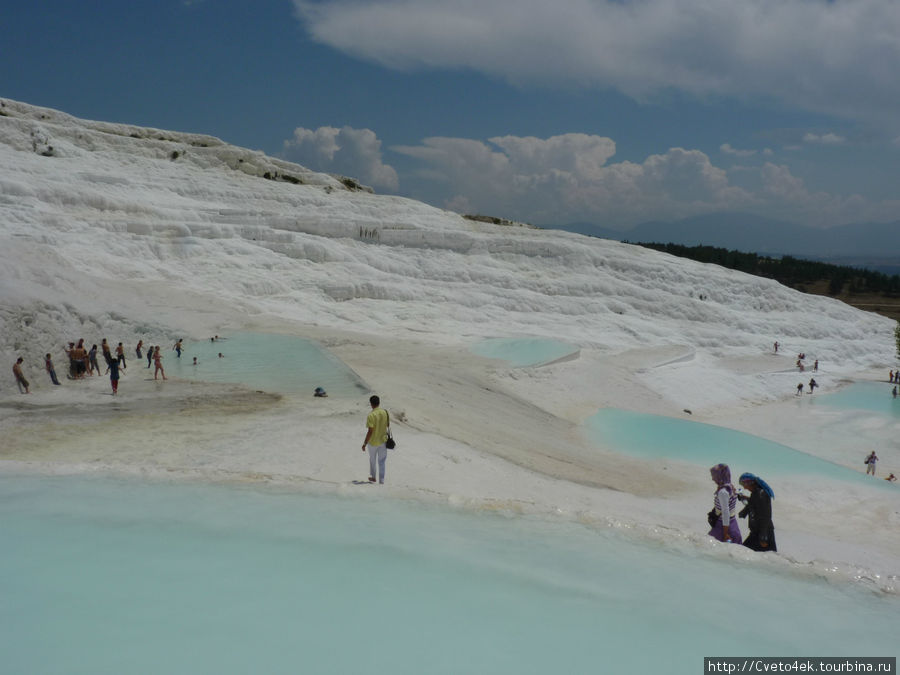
x=790, y=271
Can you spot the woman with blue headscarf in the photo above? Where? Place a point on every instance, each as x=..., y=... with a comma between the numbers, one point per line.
x=759, y=512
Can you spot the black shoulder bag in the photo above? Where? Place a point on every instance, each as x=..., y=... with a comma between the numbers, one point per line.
x=390, y=443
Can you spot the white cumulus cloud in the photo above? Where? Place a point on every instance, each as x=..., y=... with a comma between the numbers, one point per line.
x=823, y=139
x=573, y=178
x=569, y=178
x=836, y=57
x=348, y=151
x=788, y=196
x=728, y=150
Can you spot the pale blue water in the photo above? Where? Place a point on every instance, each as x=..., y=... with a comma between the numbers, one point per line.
x=522, y=352
x=656, y=436
x=269, y=362
x=104, y=576
x=869, y=396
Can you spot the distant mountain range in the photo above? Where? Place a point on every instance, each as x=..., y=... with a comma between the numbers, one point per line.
x=874, y=246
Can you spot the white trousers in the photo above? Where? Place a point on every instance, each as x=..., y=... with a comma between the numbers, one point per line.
x=377, y=453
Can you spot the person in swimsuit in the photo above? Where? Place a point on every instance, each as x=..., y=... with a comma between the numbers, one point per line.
x=107, y=352
x=82, y=359
x=21, y=382
x=157, y=359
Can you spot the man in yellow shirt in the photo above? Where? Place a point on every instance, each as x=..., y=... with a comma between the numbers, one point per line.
x=377, y=423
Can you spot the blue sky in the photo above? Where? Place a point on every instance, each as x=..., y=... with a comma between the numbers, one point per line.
x=605, y=111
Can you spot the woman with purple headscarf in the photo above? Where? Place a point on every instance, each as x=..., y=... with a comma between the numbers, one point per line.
x=725, y=527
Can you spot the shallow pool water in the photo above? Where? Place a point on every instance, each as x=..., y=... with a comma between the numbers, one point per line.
x=657, y=436
x=265, y=361
x=869, y=396
x=108, y=576
x=522, y=352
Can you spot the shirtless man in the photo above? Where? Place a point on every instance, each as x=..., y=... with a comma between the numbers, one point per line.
x=20, y=378
x=107, y=352
x=80, y=357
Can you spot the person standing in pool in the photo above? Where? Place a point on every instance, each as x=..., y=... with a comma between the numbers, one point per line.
x=758, y=512
x=812, y=385
x=377, y=423
x=724, y=504
x=150, y=352
x=138, y=349
x=799, y=389
x=157, y=359
x=120, y=355
x=114, y=375
x=177, y=347
x=48, y=365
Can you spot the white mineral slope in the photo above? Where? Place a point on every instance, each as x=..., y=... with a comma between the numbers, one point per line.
x=116, y=231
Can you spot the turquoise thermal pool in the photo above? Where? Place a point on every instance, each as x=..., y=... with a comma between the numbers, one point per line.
x=268, y=362
x=656, y=436
x=522, y=352
x=869, y=396
x=110, y=576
